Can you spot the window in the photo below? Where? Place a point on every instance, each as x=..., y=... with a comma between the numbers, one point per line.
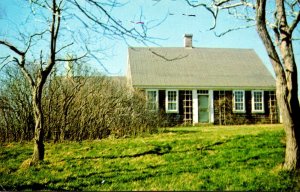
x=152, y=100
x=202, y=92
x=239, y=101
x=172, y=101
x=258, y=101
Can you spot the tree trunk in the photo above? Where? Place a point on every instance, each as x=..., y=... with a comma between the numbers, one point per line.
x=288, y=109
x=289, y=100
x=286, y=79
x=289, y=106
x=39, y=148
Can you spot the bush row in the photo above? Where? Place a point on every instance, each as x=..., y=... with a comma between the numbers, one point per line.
x=75, y=108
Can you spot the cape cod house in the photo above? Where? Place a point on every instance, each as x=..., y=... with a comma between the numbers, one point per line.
x=204, y=85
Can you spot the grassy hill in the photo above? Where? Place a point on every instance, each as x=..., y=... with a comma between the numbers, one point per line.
x=185, y=158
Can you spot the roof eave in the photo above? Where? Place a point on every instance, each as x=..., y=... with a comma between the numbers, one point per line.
x=205, y=87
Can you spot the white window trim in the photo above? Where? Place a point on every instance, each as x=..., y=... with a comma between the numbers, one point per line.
x=252, y=102
x=167, y=101
x=152, y=90
x=233, y=102
x=195, y=107
x=211, y=106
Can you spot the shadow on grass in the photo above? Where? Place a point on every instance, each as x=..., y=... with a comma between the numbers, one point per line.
x=78, y=182
x=157, y=150
x=179, y=132
x=35, y=186
x=210, y=146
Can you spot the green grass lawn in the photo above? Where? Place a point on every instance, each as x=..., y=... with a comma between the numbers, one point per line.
x=188, y=158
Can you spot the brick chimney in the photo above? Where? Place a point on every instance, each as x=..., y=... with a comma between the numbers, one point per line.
x=188, y=40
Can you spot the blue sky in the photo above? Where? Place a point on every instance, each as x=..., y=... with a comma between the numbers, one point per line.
x=169, y=33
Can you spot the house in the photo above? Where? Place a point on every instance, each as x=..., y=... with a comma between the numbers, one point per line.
x=204, y=85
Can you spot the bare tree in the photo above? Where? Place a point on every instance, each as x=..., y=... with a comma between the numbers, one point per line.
x=276, y=24
x=17, y=116
x=36, y=54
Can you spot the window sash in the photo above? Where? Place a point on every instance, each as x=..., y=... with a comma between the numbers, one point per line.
x=172, y=101
x=152, y=100
x=239, y=101
x=258, y=101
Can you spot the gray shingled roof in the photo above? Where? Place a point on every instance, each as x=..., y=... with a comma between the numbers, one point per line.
x=197, y=68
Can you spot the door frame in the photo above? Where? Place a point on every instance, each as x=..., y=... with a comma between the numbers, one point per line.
x=210, y=94
x=203, y=93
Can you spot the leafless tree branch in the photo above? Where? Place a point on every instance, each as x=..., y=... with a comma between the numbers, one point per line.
x=168, y=59
x=211, y=9
x=63, y=47
x=31, y=38
x=4, y=62
x=112, y=25
x=295, y=23
x=228, y=4
x=72, y=59
x=233, y=29
x=12, y=47
x=3, y=59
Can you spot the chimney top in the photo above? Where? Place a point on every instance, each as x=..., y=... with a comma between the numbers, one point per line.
x=188, y=40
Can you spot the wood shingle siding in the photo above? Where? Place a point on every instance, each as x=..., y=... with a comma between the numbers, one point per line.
x=224, y=114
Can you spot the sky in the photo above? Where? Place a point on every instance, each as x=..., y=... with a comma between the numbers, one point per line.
x=170, y=21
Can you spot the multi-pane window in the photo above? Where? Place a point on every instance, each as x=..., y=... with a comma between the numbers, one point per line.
x=257, y=101
x=172, y=101
x=152, y=100
x=239, y=101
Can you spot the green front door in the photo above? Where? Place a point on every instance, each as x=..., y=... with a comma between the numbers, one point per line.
x=203, y=113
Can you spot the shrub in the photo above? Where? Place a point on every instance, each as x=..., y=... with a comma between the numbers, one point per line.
x=75, y=108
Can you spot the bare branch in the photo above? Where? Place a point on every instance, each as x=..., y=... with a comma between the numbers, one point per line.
x=63, y=47
x=55, y=25
x=221, y=2
x=234, y=5
x=109, y=16
x=96, y=58
x=21, y=63
x=31, y=38
x=25, y=71
x=168, y=59
x=3, y=61
x=112, y=25
x=214, y=11
x=12, y=47
x=72, y=59
x=233, y=29
x=90, y=17
x=294, y=23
